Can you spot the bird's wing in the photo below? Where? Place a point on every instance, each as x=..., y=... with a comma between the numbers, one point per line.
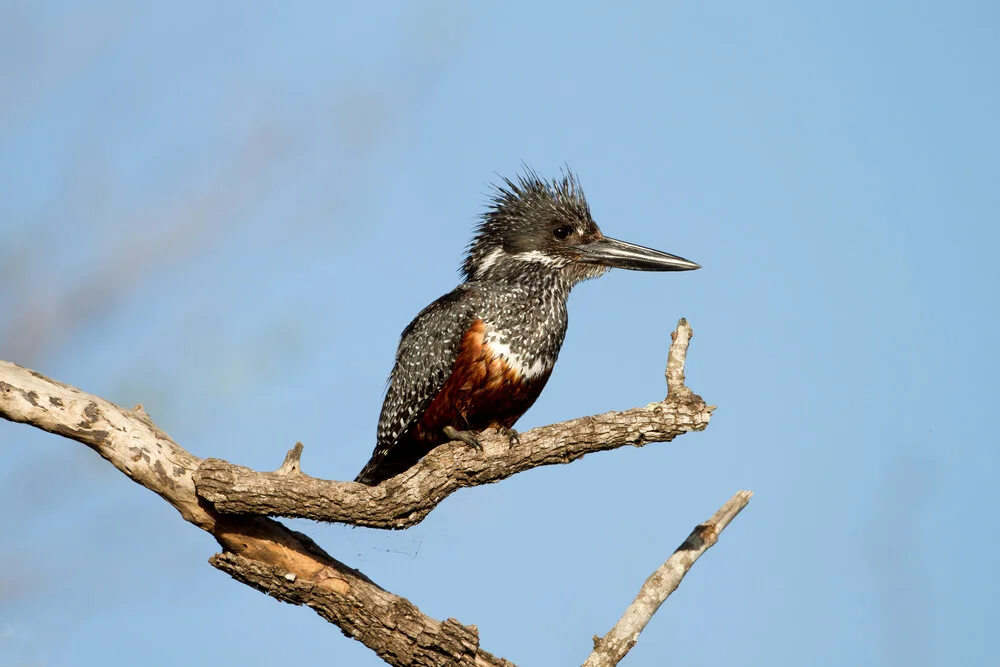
x=427, y=351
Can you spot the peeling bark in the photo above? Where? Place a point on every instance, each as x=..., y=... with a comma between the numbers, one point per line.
x=229, y=502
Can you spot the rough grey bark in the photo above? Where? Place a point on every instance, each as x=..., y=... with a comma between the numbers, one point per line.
x=226, y=500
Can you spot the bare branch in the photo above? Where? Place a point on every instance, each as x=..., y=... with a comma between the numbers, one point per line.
x=612, y=647
x=263, y=553
x=406, y=499
x=258, y=551
x=367, y=613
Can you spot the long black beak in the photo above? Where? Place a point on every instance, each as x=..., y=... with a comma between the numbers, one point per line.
x=619, y=254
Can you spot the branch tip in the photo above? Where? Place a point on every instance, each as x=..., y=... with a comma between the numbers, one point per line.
x=292, y=463
x=612, y=647
x=680, y=339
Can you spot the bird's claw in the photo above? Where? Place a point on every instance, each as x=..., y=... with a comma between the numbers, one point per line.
x=513, y=437
x=468, y=437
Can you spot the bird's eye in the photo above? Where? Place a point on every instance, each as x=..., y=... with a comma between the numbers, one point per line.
x=562, y=232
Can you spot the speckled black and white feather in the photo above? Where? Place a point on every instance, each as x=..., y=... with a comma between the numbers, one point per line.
x=424, y=359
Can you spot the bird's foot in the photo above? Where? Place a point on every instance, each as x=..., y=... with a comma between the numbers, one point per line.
x=468, y=437
x=513, y=437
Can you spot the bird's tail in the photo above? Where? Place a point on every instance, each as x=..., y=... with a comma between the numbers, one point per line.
x=389, y=461
x=371, y=474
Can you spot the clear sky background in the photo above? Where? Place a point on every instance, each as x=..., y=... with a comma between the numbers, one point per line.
x=229, y=212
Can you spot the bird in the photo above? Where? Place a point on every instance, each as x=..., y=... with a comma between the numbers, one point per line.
x=480, y=355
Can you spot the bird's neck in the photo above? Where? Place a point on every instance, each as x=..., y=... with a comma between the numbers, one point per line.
x=545, y=282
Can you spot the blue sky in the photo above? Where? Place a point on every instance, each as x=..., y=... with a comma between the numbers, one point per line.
x=228, y=213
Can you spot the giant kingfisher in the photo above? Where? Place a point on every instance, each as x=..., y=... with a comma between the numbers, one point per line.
x=479, y=356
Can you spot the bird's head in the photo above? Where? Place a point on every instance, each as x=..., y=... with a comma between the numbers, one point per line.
x=534, y=225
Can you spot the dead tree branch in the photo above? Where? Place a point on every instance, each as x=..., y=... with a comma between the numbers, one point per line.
x=406, y=499
x=612, y=647
x=263, y=553
x=257, y=551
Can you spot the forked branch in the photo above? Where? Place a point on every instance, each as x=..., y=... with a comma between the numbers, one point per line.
x=288, y=565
